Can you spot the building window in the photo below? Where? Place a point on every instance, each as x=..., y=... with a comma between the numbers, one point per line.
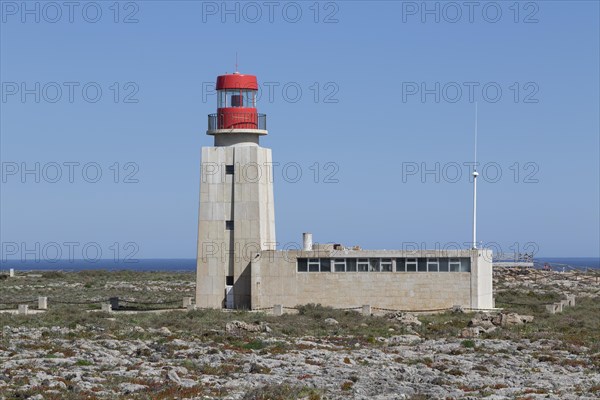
x=386, y=264
x=400, y=265
x=350, y=264
x=433, y=264
x=339, y=264
x=465, y=265
x=411, y=265
x=229, y=225
x=374, y=265
x=454, y=264
x=302, y=265
x=313, y=265
x=422, y=266
x=229, y=280
x=363, y=264
x=443, y=265
x=229, y=169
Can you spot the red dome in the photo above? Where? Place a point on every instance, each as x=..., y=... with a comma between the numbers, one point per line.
x=237, y=81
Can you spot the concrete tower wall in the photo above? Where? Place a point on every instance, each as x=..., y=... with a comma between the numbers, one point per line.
x=236, y=220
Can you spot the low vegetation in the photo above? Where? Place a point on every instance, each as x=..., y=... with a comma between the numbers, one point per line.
x=572, y=336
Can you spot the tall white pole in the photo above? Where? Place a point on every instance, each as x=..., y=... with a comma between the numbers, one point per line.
x=475, y=175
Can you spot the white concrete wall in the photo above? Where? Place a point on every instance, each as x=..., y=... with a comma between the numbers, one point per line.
x=276, y=281
x=482, y=296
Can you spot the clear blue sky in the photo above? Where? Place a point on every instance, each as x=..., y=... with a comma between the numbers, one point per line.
x=371, y=61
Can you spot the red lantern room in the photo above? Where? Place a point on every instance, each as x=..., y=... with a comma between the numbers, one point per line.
x=236, y=104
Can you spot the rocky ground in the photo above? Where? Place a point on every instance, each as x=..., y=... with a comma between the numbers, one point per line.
x=76, y=352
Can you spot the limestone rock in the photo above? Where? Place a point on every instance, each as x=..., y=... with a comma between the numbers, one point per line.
x=172, y=375
x=404, y=339
x=405, y=318
x=237, y=326
x=471, y=332
x=165, y=331
x=503, y=319
x=483, y=324
x=128, y=388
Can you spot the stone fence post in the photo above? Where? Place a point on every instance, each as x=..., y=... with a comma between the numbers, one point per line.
x=187, y=302
x=571, y=299
x=42, y=303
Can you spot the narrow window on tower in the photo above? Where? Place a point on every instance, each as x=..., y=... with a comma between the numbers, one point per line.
x=229, y=169
x=229, y=280
x=229, y=225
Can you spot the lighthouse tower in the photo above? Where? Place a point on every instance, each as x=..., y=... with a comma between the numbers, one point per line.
x=236, y=217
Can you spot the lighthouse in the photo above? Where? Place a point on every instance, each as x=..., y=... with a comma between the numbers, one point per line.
x=236, y=214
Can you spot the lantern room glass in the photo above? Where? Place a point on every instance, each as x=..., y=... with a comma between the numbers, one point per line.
x=237, y=98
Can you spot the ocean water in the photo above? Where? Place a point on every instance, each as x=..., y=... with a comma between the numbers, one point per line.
x=577, y=262
x=148, y=264
x=189, y=264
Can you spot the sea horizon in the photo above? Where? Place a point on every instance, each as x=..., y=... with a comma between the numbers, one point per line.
x=189, y=264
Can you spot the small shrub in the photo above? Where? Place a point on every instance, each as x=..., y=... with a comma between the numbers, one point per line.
x=315, y=311
x=469, y=344
x=254, y=345
x=53, y=275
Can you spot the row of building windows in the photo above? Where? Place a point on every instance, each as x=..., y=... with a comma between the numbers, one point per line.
x=384, y=264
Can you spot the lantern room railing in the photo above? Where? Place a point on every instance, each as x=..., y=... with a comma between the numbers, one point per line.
x=237, y=121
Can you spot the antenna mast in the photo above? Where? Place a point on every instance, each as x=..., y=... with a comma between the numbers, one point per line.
x=475, y=174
